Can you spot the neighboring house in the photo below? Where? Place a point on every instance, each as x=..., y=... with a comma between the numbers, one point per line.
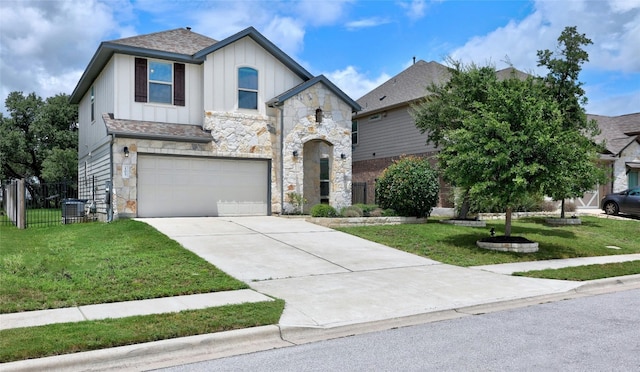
x=178, y=124
x=621, y=136
x=384, y=129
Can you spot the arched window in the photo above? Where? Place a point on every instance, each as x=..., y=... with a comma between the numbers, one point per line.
x=247, y=88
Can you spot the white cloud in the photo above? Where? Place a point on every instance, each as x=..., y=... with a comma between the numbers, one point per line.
x=613, y=26
x=415, y=9
x=47, y=44
x=354, y=83
x=366, y=23
x=323, y=13
x=287, y=34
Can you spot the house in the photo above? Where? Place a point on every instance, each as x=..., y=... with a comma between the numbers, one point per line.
x=384, y=129
x=621, y=137
x=175, y=123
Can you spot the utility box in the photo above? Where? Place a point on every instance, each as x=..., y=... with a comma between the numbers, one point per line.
x=73, y=210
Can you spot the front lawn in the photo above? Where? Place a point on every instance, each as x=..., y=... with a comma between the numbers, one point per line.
x=81, y=264
x=456, y=245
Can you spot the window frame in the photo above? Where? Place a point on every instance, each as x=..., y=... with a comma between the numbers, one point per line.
x=169, y=82
x=244, y=89
x=354, y=132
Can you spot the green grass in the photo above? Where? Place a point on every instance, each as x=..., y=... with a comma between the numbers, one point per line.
x=64, y=338
x=89, y=263
x=80, y=264
x=456, y=245
x=587, y=272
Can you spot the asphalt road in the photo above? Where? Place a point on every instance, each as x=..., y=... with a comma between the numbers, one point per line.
x=599, y=333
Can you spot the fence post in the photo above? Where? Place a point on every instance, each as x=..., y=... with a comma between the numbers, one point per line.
x=21, y=220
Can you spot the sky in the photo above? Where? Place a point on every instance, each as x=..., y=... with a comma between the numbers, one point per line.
x=46, y=45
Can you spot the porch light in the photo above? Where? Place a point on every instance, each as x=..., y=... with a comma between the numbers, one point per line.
x=126, y=152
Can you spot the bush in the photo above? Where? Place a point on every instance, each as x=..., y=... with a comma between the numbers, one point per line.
x=323, y=210
x=549, y=206
x=376, y=213
x=351, y=211
x=570, y=206
x=409, y=186
x=366, y=209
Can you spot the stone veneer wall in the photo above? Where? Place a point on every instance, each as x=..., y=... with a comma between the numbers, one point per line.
x=243, y=135
x=620, y=176
x=300, y=127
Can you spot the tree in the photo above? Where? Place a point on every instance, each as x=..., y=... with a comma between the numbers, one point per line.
x=409, y=186
x=575, y=169
x=445, y=107
x=39, y=140
x=497, y=137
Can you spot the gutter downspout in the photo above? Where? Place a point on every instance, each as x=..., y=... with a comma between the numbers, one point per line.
x=110, y=191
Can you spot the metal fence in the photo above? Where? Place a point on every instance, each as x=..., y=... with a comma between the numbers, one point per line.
x=28, y=204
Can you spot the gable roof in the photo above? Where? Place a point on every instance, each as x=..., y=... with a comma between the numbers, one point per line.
x=180, y=45
x=263, y=42
x=279, y=99
x=412, y=83
x=617, y=132
x=408, y=85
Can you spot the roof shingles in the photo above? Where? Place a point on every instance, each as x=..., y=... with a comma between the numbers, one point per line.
x=179, y=40
x=155, y=130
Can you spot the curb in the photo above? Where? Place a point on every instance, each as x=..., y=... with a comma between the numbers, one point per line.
x=191, y=349
x=159, y=354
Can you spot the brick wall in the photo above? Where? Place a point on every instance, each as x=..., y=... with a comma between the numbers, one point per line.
x=367, y=171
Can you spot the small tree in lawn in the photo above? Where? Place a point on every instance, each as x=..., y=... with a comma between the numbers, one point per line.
x=575, y=169
x=501, y=148
x=409, y=186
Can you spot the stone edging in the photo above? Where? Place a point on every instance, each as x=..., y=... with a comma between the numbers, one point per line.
x=509, y=247
x=470, y=223
x=563, y=221
x=363, y=221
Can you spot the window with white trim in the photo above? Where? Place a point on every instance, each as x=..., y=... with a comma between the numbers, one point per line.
x=247, y=88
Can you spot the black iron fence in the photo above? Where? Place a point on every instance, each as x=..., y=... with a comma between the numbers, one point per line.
x=28, y=204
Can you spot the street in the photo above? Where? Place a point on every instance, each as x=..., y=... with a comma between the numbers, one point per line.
x=598, y=333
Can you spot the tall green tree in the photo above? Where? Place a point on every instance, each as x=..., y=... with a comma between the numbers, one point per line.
x=497, y=138
x=446, y=106
x=39, y=139
x=575, y=169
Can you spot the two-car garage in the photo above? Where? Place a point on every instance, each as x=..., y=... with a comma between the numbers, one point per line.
x=182, y=186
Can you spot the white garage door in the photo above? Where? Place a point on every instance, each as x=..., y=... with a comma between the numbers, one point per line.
x=171, y=186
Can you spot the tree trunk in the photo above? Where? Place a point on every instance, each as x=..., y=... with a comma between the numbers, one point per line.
x=562, y=209
x=507, y=223
x=464, y=209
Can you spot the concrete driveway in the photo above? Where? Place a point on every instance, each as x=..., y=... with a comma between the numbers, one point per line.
x=333, y=280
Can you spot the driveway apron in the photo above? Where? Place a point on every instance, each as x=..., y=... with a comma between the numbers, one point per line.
x=331, y=279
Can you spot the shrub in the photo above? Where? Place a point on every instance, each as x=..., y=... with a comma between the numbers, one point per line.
x=549, y=206
x=351, y=211
x=323, y=210
x=366, y=209
x=570, y=206
x=409, y=186
x=376, y=213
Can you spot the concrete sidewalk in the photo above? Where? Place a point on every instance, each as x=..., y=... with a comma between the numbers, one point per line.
x=334, y=285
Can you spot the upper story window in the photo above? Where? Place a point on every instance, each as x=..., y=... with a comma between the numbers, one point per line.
x=247, y=88
x=160, y=82
x=354, y=132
